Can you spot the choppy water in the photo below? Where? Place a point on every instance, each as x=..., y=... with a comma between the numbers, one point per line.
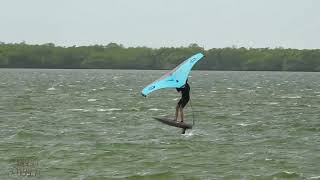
x=93, y=124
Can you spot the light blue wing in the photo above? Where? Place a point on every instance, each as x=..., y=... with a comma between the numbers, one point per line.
x=175, y=78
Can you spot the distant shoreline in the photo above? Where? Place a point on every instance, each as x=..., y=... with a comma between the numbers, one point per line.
x=115, y=56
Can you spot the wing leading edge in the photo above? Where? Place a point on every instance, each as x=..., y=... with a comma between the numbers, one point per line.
x=175, y=78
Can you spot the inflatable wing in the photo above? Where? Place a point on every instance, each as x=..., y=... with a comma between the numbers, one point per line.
x=175, y=78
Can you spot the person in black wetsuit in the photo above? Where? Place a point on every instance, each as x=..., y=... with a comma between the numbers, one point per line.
x=185, y=96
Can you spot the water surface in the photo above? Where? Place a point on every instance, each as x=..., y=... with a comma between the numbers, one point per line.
x=93, y=124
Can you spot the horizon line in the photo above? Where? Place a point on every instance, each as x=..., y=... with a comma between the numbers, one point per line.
x=144, y=46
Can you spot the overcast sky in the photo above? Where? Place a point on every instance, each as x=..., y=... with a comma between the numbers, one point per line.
x=163, y=23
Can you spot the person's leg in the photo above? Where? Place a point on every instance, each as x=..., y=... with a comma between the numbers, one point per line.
x=181, y=114
x=183, y=104
x=177, y=113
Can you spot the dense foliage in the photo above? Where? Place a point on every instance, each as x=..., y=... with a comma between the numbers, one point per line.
x=115, y=56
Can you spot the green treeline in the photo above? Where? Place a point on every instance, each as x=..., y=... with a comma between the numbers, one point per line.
x=115, y=56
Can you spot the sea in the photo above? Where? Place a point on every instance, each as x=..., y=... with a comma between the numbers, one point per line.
x=94, y=124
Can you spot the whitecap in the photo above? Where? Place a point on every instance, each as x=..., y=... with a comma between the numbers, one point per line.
x=82, y=110
x=315, y=177
x=294, y=97
x=76, y=109
x=272, y=103
x=229, y=88
x=154, y=109
x=92, y=100
x=101, y=110
x=175, y=99
x=243, y=124
x=288, y=172
x=85, y=122
x=51, y=89
x=114, y=109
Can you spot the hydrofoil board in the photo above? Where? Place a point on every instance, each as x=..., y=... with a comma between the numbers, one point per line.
x=171, y=122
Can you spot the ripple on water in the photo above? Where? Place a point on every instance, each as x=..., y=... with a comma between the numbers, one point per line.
x=291, y=97
x=79, y=109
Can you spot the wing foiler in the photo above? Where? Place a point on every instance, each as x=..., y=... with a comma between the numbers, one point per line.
x=175, y=78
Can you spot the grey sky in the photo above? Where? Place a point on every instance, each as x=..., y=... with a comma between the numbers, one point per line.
x=163, y=23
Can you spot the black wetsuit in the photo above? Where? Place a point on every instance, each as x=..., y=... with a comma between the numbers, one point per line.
x=185, y=96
